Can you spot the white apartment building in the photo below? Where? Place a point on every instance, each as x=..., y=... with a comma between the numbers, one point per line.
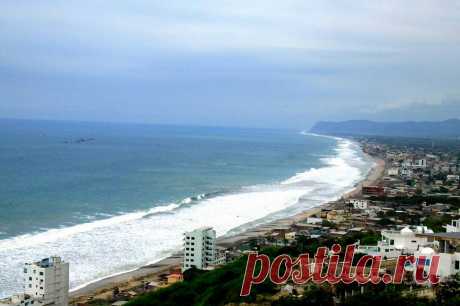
x=46, y=282
x=454, y=226
x=395, y=243
x=199, y=248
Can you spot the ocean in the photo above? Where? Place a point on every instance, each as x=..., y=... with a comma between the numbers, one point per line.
x=111, y=197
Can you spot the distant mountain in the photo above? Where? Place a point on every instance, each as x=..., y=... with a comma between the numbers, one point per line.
x=423, y=129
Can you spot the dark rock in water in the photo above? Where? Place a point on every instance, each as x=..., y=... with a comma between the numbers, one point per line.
x=79, y=140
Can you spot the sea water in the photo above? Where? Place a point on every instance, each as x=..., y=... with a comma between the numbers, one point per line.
x=111, y=197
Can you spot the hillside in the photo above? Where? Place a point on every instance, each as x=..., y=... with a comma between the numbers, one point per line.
x=423, y=129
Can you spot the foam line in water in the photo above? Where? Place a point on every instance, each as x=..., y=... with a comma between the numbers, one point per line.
x=138, y=238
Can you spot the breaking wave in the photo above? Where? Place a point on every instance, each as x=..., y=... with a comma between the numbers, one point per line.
x=137, y=238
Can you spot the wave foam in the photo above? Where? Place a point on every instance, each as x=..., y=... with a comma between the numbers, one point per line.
x=138, y=238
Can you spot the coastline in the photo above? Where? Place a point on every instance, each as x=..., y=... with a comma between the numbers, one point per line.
x=147, y=273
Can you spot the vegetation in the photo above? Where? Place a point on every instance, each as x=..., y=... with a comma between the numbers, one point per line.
x=315, y=296
x=223, y=285
x=436, y=222
x=402, y=201
x=217, y=287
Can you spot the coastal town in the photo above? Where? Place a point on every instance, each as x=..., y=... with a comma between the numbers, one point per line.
x=408, y=205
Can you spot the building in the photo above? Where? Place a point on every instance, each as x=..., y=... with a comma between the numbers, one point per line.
x=454, y=226
x=395, y=243
x=420, y=163
x=174, y=277
x=21, y=299
x=46, y=282
x=199, y=248
x=406, y=172
x=290, y=236
x=373, y=190
x=222, y=256
x=359, y=203
x=447, y=246
x=393, y=171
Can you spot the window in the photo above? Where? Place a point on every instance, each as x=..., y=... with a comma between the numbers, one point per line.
x=30, y=278
x=392, y=242
x=41, y=273
x=25, y=270
x=457, y=265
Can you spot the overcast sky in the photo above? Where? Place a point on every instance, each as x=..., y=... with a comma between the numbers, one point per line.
x=235, y=63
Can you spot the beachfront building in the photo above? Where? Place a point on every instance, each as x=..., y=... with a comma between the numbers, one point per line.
x=395, y=243
x=447, y=246
x=199, y=248
x=46, y=282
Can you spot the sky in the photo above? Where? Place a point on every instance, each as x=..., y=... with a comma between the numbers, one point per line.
x=229, y=63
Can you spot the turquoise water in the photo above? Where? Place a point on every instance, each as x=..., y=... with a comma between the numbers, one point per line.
x=81, y=190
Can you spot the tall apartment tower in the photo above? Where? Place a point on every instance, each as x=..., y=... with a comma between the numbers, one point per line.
x=199, y=248
x=47, y=281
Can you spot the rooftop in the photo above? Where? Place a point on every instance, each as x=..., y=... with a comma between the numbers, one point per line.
x=452, y=235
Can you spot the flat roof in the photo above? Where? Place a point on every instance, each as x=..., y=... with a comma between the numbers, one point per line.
x=452, y=235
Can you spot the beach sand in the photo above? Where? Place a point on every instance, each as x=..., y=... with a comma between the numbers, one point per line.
x=103, y=288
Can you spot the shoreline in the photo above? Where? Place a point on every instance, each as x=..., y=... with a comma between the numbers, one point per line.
x=151, y=272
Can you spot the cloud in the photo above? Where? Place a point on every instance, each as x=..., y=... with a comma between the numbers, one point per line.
x=320, y=59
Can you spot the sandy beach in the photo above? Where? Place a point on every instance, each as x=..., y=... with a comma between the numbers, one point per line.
x=103, y=288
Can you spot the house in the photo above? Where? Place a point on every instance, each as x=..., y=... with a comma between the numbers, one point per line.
x=420, y=163
x=453, y=227
x=174, y=277
x=359, y=203
x=447, y=246
x=395, y=243
x=312, y=220
x=290, y=236
x=336, y=216
x=406, y=172
x=373, y=190
x=393, y=172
